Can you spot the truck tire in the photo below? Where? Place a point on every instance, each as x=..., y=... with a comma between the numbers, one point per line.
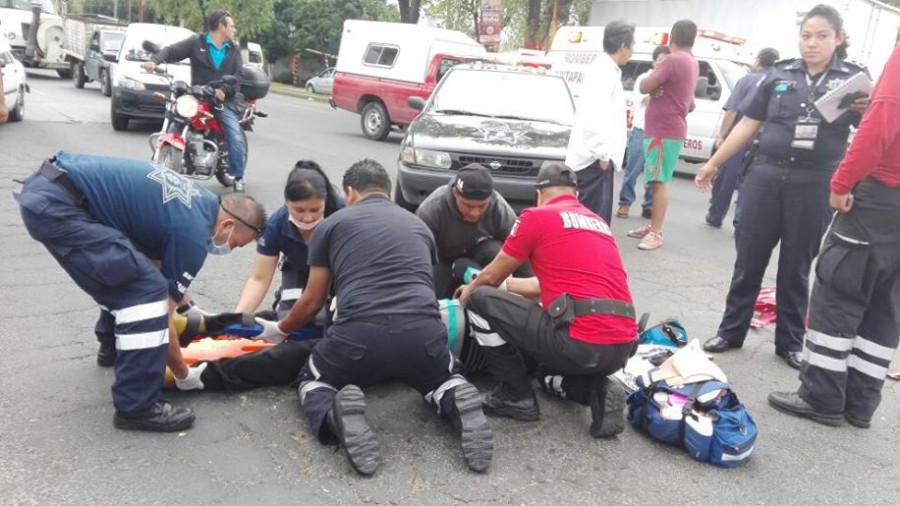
x=105, y=84
x=64, y=73
x=375, y=122
x=17, y=113
x=400, y=201
x=78, y=76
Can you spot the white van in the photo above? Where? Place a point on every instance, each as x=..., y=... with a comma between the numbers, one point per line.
x=14, y=82
x=253, y=56
x=723, y=61
x=133, y=88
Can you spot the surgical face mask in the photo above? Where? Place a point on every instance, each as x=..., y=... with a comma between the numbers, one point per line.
x=305, y=226
x=215, y=249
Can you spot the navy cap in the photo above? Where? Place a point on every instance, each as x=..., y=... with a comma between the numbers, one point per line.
x=556, y=174
x=474, y=182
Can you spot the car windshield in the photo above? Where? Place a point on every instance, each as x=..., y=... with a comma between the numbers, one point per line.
x=502, y=94
x=25, y=5
x=732, y=71
x=136, y=53
x=112, y=42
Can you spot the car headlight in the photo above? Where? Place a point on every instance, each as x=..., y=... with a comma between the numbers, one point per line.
x=429, y=158
x=131, y=83
x=187, y=106
x=408, y=155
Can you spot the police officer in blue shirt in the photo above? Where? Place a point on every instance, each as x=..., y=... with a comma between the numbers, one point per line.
x=785, y=194
x=133, y=235
x=309, y=198
x=728, y=177
x=379, y=259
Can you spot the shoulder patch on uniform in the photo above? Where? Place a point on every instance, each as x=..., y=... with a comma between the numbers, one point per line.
x=515, y=227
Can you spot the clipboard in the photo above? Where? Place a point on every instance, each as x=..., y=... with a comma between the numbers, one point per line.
x=834, y=103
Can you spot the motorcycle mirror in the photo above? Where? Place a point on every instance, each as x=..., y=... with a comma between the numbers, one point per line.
x=150, y=46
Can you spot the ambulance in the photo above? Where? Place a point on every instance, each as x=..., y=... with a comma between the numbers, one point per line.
x=723, y=61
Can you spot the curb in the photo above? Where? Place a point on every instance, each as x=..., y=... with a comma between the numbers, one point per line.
x=291, y=91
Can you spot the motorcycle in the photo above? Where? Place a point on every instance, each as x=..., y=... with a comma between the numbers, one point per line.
x=191, y=141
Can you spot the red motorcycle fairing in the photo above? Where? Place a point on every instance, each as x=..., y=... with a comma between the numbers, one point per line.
x=204, y=120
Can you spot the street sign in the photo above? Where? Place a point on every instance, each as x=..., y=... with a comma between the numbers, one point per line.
x=490, y=26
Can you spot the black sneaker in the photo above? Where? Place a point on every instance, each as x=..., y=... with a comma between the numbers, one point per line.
x=106, y=355
x=162, y=417
x=608, y=408
x=353, y=431
x=475, y=433
x=238, y=186
x=499, y=402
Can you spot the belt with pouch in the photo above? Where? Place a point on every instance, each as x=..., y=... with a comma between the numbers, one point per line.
x=794, y=163
x=564, y=309
x=59, y=176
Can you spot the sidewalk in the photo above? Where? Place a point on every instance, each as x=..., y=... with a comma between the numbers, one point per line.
x=293, y=91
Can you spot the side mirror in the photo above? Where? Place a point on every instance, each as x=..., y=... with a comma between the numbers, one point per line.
x=150, y=46
x=702, y=90
x=715, y=93
x=417, y=103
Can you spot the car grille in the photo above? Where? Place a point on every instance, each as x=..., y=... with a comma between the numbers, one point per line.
x=507, y=166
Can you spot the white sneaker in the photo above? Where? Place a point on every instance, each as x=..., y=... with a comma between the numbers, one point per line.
x=651, y=241
x=639, y=233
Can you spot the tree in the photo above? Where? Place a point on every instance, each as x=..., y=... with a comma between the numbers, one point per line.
x=252, y=17
x=409, y=10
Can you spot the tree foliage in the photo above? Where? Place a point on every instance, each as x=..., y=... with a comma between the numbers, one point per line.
x=252, y=17
x=317, y=24
x=526, y=23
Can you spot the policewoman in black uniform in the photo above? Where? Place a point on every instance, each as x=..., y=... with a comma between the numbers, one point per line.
x=785, y=193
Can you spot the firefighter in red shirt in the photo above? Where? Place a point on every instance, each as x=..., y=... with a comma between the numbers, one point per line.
x=586, y=329
x=854, y=311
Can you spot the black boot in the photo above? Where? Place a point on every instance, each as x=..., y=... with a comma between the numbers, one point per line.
x=607, y=408
x=468, y=418
x=162, y=417
x=106, y=355
x=791, y=403
x=502, y=402
x=348, y=422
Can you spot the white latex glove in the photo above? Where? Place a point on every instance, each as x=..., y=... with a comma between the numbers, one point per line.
x=193, y=309
x=270, y=333
x=192, y=380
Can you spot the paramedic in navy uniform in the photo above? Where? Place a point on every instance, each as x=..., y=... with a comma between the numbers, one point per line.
x=785, y=193
x=133, y=235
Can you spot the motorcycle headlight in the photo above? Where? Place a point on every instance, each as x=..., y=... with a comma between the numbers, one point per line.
x=187, y=106
x=429, y=158
x=131, y=83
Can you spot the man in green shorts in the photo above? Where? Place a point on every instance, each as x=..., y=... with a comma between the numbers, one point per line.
x=671, y=88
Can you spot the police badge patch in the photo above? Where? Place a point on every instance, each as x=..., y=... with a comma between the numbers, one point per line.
x=173, y=185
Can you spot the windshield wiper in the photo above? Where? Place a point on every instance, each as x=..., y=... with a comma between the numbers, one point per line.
x=461, y=113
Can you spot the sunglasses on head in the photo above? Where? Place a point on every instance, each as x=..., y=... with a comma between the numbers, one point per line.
x=240, y=220
x=219, y=21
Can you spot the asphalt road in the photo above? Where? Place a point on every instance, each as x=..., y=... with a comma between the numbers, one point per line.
x=58, y=445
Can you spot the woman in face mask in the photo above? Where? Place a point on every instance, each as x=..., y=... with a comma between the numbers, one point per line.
x=309, y=198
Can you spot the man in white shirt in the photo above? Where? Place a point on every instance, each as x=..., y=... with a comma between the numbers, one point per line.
x=634, y=162
x=599, y=135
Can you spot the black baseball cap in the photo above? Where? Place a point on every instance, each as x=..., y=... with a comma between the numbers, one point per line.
x=556, y=174
x=474, y=182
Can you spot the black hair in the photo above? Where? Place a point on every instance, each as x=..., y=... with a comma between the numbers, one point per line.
x=244, y=209
x=616, y=35
x=767, y=57
x=834, y=19
x=367, y=175
x=216, y=18
x=660, y=50
x=684, y=33
x=308, y=180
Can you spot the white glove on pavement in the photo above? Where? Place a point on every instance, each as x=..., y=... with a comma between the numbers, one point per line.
x=192, y=380
x=270, y=333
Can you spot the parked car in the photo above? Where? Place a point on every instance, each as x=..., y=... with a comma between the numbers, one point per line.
x=92, y=46
x=133, y=88
x=14, y=82
x=322, y=83
x=381, y=65
x=510, y=119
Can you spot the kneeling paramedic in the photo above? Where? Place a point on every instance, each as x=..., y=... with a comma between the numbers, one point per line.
x=378, y=257
x=586, y=328
x=110, y=222
x=469, y=221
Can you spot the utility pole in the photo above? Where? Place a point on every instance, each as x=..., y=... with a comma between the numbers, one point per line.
x=140, y=11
